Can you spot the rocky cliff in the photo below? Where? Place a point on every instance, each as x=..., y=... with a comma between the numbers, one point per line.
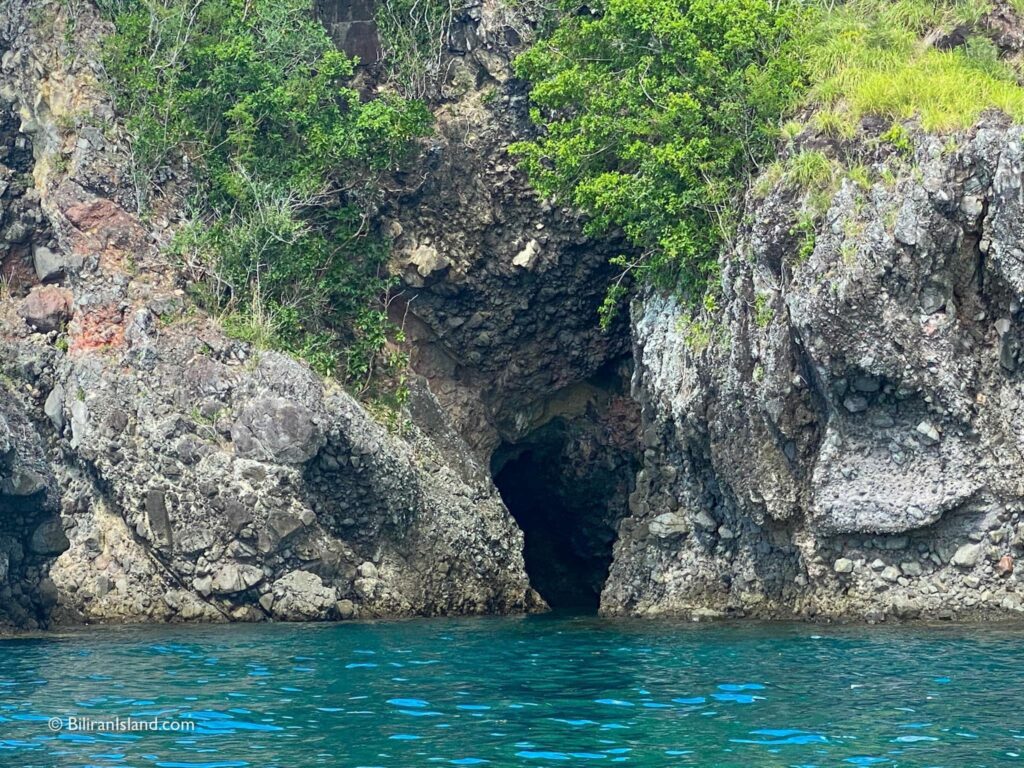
x=838, y=439
x=198, y=478
x=845, y=440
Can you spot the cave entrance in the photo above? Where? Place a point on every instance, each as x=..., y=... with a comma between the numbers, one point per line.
x=567, y=488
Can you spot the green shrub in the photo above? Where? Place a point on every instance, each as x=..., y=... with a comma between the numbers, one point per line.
x=652, y=113
x=285, y=156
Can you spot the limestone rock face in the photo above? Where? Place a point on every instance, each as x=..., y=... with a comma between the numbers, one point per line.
x=197, y=478
x=854, y=420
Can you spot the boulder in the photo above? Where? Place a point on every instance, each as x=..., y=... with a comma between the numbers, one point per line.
x=52, y=264
x=54, y=407
x=157, y=518
x=669, y=524
x=49, y=538
x=277, y=429
x=367, y=570
x=302, y=596
x=427, y=260
x=705, y=521
x=46, y=308
x=843, y=565
x=527, y=258
x=233, y=578
x=23, y=481
x=967, y=556
x=284, y=523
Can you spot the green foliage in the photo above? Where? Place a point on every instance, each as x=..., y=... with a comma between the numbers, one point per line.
x=871, y=57
x=254, y=97
x=611, y=304
x=387, y=409
x=810, y=170
x=791, y=130
x=763, y=312
x=898, y=137
x=697, y=332
x=834, y=124
x=652, y=113
x=805, y=230
x=861, y=176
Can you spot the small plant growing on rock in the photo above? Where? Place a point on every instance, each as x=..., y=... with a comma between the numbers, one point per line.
x=763, y=312
x=898, y=137
x=805, y=229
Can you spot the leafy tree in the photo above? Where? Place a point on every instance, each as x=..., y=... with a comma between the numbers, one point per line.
x=653, y=113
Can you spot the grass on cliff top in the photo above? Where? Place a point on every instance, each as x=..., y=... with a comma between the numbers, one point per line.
x=872, y=57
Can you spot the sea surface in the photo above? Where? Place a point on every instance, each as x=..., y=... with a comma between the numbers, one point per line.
x=539, y=691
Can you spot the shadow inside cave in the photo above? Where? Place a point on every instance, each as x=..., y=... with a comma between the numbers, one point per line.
x=568, y=503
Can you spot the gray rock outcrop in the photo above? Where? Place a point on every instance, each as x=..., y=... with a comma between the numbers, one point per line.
x=31, y=532
x=840, y=439
x=851, y=419
x=198, y=478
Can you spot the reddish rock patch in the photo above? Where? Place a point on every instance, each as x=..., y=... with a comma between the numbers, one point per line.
x=109, y=230
x=91, y=215
x=100, y=328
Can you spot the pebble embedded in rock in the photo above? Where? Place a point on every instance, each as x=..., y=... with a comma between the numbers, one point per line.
x=911, y=568
x=967, y=556
x=704, y=521
x=927, y=433
x=843, y=565
x=890, y=573
x=855, y=403
x=1005, y=565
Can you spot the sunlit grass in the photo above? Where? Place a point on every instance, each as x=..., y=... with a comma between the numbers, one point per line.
x=871, y=57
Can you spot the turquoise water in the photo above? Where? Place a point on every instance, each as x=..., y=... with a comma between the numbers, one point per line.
x=542, y=691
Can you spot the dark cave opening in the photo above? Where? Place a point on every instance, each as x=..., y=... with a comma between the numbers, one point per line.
x=567, y=486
